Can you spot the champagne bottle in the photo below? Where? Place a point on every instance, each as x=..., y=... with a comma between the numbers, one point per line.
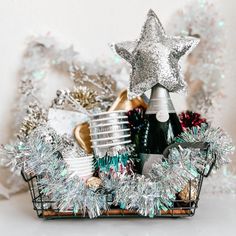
x=162, y=125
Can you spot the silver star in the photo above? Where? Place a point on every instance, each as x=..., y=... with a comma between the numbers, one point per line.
x=155, y=58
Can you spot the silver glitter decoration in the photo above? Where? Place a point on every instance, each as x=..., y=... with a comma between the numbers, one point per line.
x=35, y=115
x=206, y=73
x=44, y=54
x=82, y=98
x=206, y=68
x=44, y=153
x=149, y=195
x=221, y=146
x=65, y=100
x=103, y=84
x=155, y=58
x=41, y=155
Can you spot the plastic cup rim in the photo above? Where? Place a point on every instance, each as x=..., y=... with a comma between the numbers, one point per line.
x=110, y=138
x=111, y=144
x=108, y=112
x=111, y=124
x=110, y=131
x=108, y=118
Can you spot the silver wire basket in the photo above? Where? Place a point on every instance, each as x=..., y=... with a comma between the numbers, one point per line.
x=44, y=207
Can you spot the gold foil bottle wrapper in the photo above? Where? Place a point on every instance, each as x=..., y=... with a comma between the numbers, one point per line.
x=123, y=103
x=82, y=135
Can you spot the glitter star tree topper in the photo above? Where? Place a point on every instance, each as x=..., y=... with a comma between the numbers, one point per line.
x=155, y=58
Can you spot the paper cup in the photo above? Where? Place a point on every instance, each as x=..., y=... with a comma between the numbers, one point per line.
x=112, y=144
x=104, y=141
x=108, y=128
x=109, y=124
x=109, y=120
x=81, y=165
x=110, y=114
x=102, y=150
x=110, y=134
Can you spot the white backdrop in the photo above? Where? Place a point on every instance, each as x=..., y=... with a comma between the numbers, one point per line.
x=90, y=26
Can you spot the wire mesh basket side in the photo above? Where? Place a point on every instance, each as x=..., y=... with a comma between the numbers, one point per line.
x=45, y=208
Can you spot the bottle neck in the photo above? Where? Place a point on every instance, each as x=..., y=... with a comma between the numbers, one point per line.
x=160, y=101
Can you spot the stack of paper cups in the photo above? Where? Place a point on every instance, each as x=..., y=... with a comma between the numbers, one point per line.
x=81, y=166
x=107, y=130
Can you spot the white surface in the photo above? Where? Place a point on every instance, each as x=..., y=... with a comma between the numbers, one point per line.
x=215, y=216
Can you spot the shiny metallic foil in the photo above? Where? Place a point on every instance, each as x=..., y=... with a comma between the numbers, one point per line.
x=123, y=103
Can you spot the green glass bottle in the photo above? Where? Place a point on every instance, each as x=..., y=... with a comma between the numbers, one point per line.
x=162, y=125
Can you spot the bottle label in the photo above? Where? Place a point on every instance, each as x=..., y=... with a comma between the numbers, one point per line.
x=162, y=115
x=147, y=160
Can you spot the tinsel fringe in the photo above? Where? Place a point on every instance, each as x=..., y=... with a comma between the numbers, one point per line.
x=42, y=155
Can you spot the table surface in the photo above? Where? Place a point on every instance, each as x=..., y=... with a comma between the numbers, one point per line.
x=215, y=216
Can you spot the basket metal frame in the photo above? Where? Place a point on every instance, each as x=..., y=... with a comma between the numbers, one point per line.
x=44, y=207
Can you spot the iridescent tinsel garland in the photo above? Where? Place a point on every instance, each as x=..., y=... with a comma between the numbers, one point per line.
x=43, y=154
x=150, y=195
x=44, y=54
x=36, y=115
x=119, y=158
x=205, y=70
x=220, y=143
